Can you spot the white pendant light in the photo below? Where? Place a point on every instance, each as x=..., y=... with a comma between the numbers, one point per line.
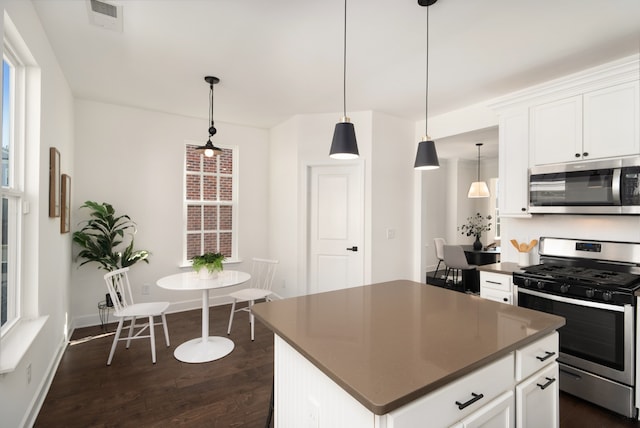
x=426, y=157
x=344, y=144
x=478, y=189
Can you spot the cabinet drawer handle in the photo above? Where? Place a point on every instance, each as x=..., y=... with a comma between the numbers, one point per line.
x=475, y=398
x=549, y=382
x=546, y=357
x=494, y=282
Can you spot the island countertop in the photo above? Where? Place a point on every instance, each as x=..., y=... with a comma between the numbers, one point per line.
x=388, y=344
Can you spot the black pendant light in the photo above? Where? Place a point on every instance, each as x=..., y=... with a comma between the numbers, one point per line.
x=426, y=157
x=478, y=189
x=344, y=144
x=209, y=149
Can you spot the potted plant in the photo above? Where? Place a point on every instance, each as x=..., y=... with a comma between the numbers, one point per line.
x=474, y=227
x=102, y=239
x=208, y=265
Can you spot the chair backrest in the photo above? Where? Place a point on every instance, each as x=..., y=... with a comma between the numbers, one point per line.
x=119, y=288
x=454, y=257
x=262, y=273
x=439, y=244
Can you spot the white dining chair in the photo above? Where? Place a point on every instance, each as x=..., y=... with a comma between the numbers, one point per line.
x=125, y=308
x=439, y=244
x=262, y=274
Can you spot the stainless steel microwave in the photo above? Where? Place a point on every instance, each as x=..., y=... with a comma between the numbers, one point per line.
x=593, y=187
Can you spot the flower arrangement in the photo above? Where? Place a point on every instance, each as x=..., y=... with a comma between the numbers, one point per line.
x=212, y=262
x=476, y=225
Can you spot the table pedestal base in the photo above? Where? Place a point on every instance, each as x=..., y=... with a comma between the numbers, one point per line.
x=197, y=351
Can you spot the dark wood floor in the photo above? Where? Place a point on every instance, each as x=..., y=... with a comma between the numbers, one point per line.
x=231, y=392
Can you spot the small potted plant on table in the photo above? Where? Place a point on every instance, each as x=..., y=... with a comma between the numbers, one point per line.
x=208, y=265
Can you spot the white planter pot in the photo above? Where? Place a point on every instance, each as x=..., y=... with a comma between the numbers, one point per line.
x=205, y=274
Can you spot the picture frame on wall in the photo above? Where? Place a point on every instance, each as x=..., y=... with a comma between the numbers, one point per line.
x=65, y=203
x=54, y=182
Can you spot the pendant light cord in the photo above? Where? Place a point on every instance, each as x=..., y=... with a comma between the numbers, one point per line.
x=344, y=63
x=426, y=97
x=211, y=105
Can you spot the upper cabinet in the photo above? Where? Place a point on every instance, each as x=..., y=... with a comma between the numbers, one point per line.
x=513, y=163
x=594, y=125
x=611, y=121
x=593, y=114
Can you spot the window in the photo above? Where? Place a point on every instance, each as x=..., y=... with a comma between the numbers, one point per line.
x=210, y=202
x=11, y=189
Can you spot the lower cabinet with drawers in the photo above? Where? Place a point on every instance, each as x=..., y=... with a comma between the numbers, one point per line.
x=519, y=390
x=497, y=287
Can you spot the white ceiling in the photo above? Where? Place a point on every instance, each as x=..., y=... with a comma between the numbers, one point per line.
x=279, y=58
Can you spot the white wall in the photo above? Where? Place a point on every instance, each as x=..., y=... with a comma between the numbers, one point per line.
x=47, y=253
x=134, y=160
x=386, y=147
x=606, y=228
x=296, y=144
x=394, y=151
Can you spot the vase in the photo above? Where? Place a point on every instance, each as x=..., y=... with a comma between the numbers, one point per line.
x=477, y=245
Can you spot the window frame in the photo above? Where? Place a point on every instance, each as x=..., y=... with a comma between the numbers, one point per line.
x=14, y=191
x=233, y=203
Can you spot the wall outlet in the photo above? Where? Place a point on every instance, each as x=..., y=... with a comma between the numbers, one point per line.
x=29, y=374
x=391, y=233
x=312, y=414
x=145, y=290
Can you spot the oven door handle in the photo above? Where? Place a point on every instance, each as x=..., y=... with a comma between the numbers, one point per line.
x=569, y=300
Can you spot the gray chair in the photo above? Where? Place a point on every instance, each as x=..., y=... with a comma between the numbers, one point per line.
x=455, y=259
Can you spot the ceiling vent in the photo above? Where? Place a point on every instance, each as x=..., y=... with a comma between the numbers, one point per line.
x=105, y=15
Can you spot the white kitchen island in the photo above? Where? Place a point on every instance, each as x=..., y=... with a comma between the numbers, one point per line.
x=404, y=354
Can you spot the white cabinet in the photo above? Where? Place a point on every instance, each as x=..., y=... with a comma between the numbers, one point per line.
x=556, y=131
x=500, y=413
x=496, y=286
x=458, y=400
x=598, y=124
x=537, y=393
x=537, y=401
x=612, y=121
x=513, y=163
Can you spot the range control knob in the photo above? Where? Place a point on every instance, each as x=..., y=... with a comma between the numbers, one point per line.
x=564, y=288
x=607, y=296
x=527, y=282
x=540, y=285
x=590, y=292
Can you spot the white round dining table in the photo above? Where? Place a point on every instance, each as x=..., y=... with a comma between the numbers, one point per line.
x=204, y=348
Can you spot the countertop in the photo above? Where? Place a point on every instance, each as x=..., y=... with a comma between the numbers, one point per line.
x=388, y=344
x=506, y=268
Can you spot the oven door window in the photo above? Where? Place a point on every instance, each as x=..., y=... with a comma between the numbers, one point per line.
x=593, y=334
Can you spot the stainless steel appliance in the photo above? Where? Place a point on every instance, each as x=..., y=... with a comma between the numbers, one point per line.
x=594, y=187
x=591, y=284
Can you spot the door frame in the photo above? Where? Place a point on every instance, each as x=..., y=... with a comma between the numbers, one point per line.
x=305, y=226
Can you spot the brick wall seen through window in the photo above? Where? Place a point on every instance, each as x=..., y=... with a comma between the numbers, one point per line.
x=209, y=202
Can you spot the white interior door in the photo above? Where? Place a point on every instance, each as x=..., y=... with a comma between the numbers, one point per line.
x=336, y=227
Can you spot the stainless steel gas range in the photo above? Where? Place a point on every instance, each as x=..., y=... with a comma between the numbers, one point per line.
x=591, y=284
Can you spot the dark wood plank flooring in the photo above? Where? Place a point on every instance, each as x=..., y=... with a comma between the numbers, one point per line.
x=231, y=392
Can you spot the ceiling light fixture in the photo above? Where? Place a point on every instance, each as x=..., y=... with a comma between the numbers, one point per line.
x=478, y=188
x=209, y=149
x=426, y=157
x=344, y=144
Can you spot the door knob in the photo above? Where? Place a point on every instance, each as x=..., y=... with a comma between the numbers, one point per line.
x=354, y=248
